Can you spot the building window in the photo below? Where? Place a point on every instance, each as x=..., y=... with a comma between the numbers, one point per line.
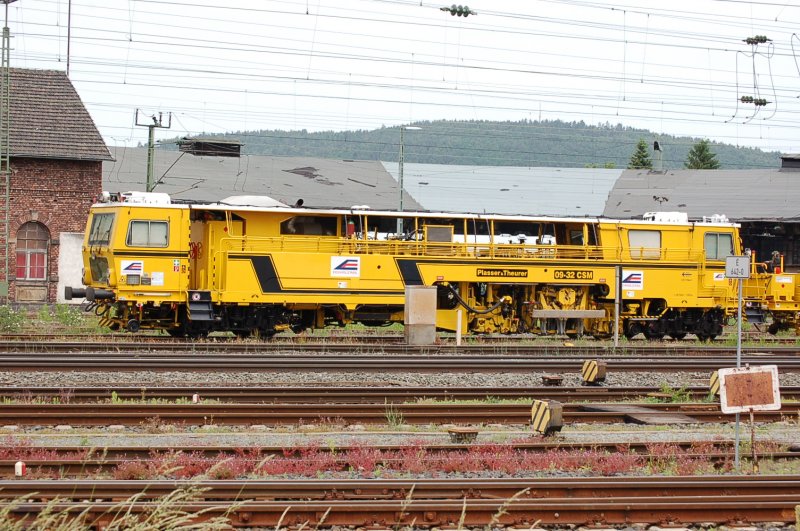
x=32, y=239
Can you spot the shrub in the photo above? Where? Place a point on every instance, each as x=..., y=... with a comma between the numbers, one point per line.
x=68, y=315
x=128, y=470
x=11, y=320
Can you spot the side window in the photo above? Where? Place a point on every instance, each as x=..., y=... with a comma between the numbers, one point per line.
x=143, y=233
x=310, y=225
x=100, y=233
x=32, y=240
x=718, y=246
x=645, y=244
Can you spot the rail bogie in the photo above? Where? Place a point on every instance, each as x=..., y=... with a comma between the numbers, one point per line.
x=255, y=269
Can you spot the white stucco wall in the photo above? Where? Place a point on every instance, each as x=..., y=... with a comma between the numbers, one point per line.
x=70, y=264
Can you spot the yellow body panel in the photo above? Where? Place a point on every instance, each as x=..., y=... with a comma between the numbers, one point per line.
x=264, y=269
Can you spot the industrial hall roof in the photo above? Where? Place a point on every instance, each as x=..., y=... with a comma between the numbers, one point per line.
x=509, y=190
x=320, y=183
x=739, y=194
x=48, y=119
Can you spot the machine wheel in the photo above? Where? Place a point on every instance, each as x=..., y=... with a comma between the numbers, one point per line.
x=262, y=333
x=653, y=331
x=632, y=329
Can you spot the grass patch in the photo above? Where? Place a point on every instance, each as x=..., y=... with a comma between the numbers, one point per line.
x=168, y=513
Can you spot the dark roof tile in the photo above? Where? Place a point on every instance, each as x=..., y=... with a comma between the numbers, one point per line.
x=48, y=118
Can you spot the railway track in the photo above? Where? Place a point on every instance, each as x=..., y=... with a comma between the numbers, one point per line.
x=381, y=344
x=353, y=395
x=372, y=361
x=440, y=502
x=333, y=336
x=201, y=414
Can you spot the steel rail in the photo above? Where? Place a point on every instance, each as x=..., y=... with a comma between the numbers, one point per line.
x=78, y=468
x=352, y=395
x=332, y=335
x=440, y=502
x=388, y=347
x=294, y=414
x=640, y=447
x=432, y=362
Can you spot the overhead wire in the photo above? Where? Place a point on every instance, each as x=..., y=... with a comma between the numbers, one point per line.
x=494, y=66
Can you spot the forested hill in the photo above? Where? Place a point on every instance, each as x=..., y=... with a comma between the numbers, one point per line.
x=525, y=143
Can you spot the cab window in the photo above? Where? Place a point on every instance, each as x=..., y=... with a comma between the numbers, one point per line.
x=146, y=233
x=718, y=246
x=100, y=232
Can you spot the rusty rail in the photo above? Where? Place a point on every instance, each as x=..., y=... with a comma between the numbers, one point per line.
x=609, y=501
x=352, y=395
x=335, y=414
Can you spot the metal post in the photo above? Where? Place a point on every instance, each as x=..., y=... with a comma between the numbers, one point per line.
x=459, y=315
x=617, y=298
x=151, y=146
x=5, y=150
x=69, y=31
x=151, y=125
x=400, y=179
x=400, y=170
x=736, y=458
x=739, y=328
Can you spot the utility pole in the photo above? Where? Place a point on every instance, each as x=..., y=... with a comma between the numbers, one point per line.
x=157, y=122
x=5, y=150
x=69, y=31
x=403, y=128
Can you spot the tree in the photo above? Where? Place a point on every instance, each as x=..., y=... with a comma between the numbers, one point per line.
x=640, y=158
x=701, y=157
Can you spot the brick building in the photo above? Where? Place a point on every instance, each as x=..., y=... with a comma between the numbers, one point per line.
x=56, y=172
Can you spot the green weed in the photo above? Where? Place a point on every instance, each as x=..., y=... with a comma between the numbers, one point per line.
x=11, y=320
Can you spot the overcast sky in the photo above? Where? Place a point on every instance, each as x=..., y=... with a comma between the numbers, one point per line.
x=674, y=67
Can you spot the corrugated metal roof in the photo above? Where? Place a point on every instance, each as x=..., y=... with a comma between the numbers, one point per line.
x=48, y=118
x=739, y=194
x=508, y=190
x=319, y=182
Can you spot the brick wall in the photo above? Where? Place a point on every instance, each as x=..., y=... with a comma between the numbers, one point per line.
x=57, y=194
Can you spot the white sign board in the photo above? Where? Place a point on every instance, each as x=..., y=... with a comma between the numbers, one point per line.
x=737, y=267
x=749, y=389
